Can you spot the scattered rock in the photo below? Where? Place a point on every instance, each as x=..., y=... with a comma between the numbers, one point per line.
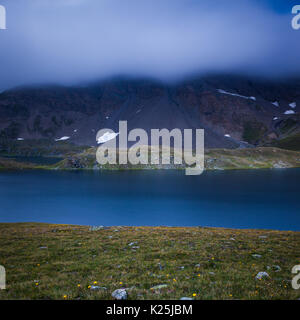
x=212, y=273
x=181, y=268
x=277, y=268
x=131, y=288
x=261, y=275
x=43, y=247
x=132, y=244
x=256, y=256
x=160, y=266
x=120, y=294
x=160, y=286
x=198, y=265
x=97, y=228
x=95, y=288
x=186, y=298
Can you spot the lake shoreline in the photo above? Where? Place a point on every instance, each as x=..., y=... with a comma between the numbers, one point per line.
x=215, y=159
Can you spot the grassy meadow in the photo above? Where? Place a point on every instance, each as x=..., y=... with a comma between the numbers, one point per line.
x=46, y=261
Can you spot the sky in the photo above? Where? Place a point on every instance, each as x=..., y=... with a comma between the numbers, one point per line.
x=74, y=41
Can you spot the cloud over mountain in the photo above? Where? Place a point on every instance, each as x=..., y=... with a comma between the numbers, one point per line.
x=67, y=41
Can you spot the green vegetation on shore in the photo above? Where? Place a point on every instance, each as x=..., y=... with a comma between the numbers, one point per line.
x=215, y=159
x=46, y=261
x=291, y=143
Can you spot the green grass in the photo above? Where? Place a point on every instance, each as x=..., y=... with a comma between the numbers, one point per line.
x=253, y=131
x=218, y=263
x=290, y=143
x=215, y=159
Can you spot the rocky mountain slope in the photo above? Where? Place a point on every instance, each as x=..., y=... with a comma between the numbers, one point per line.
x=235, y=112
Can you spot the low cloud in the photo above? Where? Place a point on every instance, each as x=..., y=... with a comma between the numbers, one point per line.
x=69, y=41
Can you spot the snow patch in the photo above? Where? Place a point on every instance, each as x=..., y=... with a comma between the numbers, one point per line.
x=293, y=105
x=107, y=136
x=62, y=138
x=275, y=118
x=289, y=112
x=227, y=135
x=20, y=139
x=276, y=103
x=235, y=94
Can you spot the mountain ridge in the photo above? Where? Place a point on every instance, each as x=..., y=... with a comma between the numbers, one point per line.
x=234, y=111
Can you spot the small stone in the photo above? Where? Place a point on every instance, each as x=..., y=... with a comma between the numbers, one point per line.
x=256, y=256
x=186, y=298
x=263, y=237
x=198, y=265
x=120, y=294
x=160, y=286
x=277, y=268
x=43, y=247
x=261, y=275
x=132, y=244
x=96, y=228
x=212, y=273
x=95, y=288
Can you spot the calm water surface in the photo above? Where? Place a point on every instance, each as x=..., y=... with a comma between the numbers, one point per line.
x=239, y=199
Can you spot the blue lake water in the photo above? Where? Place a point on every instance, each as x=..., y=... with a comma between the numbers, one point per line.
x=268, y=199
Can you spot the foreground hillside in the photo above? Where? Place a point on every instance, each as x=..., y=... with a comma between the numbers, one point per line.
x=45, y=261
